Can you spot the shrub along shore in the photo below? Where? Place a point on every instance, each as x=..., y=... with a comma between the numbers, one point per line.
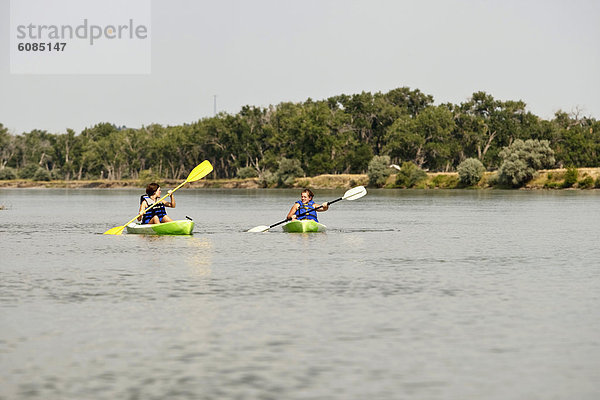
x=563, y=178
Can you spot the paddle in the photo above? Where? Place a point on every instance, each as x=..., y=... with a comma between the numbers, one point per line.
x=351, y=194
x=201, y=170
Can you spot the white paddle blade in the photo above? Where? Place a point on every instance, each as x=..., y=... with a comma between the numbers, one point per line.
x=260, y=228
x=355, y=193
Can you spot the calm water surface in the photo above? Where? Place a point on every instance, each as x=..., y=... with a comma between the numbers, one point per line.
x=409, y=295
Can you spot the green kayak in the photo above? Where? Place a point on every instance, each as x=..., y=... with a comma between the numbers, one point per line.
x=180, y=227
x=306, y=225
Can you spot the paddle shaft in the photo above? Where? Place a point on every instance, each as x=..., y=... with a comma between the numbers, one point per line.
x=306, y=213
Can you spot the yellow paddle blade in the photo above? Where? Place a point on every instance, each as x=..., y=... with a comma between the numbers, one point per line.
x=117, y=230
x=201, y=170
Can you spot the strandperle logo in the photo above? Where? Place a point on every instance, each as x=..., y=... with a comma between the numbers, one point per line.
x=85, y=30
x=80, y=37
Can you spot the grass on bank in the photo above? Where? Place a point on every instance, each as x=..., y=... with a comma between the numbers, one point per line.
x=564, y=178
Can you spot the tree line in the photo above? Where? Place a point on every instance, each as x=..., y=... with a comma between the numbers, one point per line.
x=340, y=134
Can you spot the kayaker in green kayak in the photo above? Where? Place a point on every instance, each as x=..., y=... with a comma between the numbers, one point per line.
x=306, y=204
x=156, y=214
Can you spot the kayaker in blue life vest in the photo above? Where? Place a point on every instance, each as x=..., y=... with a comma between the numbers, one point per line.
x=156, y=214
x=305, y=204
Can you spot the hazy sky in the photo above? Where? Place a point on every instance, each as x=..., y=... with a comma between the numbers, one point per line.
x=261, y=52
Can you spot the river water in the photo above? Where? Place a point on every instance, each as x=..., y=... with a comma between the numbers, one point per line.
x=408, y=295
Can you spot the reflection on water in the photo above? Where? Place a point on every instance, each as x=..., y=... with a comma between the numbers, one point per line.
x=197, y=252
x=409, y=294
x=200, y=260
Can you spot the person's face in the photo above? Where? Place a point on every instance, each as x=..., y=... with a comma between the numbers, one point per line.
x=305, y=198
x=157, y=193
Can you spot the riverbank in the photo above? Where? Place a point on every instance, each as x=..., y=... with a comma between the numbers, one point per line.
x=587, y=178
x=317, y=182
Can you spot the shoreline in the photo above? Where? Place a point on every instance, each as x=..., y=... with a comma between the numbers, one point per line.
x=318, y=182
x=544, y=180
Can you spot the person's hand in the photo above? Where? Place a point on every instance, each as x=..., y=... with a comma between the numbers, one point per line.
x=325, y=205
x=170, y=192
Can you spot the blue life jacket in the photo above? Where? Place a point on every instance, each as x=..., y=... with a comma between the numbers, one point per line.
x=302, y=208
x=158, y=210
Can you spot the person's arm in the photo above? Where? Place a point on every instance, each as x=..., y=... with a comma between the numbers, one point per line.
x=143, y=206
x=292, y=213
x=324, y=207
x=172, y=202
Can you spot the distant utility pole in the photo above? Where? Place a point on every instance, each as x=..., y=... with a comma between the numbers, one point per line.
x=215, y=104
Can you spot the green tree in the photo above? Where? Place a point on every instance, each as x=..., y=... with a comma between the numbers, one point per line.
x=35, y=147
x=413, y=102
x=255, y=131
x=576, y=140
x=426, y=140
x=379, y=170
x=288, y=171
x=42, y=175
x=8, y=148
x=372, y=114
x=28, y=171
x=470, y=171
x=102, y=152
x=570, y=177
x=485, y=125
x=63, y=153
x=521, y=160
x=247, y=172
x=409, y=175
x=7, y=174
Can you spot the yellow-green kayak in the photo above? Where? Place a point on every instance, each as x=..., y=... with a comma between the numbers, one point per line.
x=305, y=225
x=180, y=227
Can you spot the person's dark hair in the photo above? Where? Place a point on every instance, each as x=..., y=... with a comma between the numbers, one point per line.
x=309, y=192
x=151, y=188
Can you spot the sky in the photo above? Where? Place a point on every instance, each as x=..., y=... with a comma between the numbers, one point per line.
x=264, y=52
